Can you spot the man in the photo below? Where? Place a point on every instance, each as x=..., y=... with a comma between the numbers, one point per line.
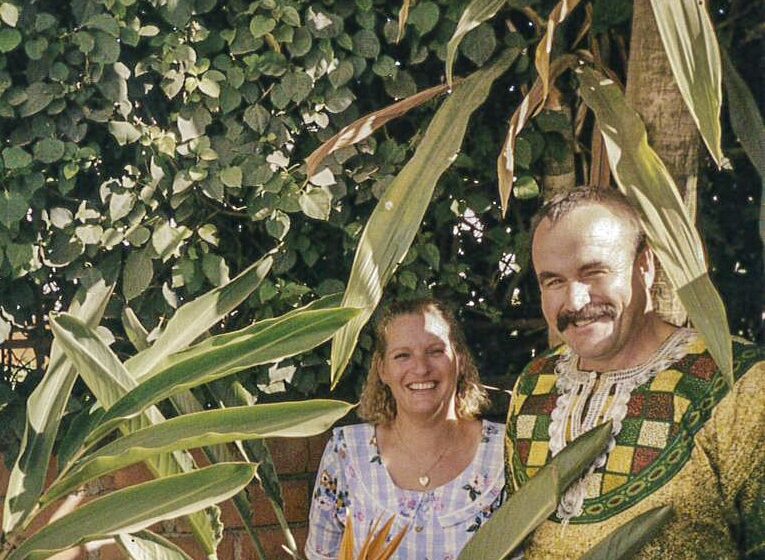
x=681, y=435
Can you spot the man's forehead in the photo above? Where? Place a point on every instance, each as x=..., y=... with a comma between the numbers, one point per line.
x=592, y=232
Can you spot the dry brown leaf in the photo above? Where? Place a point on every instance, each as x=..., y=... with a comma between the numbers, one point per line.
x=403, y=15
x=544, y=48
x=366, y=125
x=528, y=108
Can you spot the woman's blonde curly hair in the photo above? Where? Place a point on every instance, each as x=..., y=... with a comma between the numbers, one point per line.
x=377, y=405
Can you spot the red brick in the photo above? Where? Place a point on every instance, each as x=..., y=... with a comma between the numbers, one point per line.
x=316, y=447
x=188, y=543
x=272, y=539
x=230, y=515
x=290, y=454
x=134, y=474
x=71, y=554
x=110, y=551
x=295, y=493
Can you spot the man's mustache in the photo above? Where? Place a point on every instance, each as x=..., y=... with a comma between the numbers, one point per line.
x=590, y=312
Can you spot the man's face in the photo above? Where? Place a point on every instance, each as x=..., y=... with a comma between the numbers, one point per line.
x=594, y=290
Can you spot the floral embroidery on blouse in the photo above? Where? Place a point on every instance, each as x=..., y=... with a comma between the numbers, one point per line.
x=353, y=480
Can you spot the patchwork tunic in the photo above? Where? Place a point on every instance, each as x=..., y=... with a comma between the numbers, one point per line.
x=682, y=438
x=352, y=480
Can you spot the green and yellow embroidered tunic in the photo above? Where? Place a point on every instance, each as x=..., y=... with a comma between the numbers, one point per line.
x=683, y=438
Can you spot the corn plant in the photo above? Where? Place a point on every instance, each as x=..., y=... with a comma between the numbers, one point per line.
x=127, y=427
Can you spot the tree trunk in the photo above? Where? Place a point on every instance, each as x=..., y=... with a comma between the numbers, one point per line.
x=672, y=133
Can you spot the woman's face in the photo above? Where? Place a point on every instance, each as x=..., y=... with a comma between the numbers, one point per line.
x=420, y=365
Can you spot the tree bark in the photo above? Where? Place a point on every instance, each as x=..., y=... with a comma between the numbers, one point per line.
x=672, y=133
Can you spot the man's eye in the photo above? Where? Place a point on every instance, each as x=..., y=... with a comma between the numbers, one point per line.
x=552, y=282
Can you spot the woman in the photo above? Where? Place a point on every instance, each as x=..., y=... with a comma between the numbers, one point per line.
x=423, y=455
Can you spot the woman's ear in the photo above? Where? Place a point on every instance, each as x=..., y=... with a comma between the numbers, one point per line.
x=379, y=366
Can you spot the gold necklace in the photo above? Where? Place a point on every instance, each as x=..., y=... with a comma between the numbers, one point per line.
x=424, y=478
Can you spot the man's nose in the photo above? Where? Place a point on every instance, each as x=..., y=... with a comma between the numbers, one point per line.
x=578, y=296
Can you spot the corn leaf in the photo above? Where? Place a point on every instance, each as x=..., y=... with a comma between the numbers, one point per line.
x=643, y=178
x=230, y=393
x=533, y=502
x=542, y=56
x=109, y=380
x=745, y=117
x=196, y=317
x=365, y=126
x=474, y=15
x=627, y=540
x=691, y=46
x=45, y=407
x=403, y=15
x=145, y=545
x=213, y=360
x=210, y=427
x=134, y=330
x=529, y=107
x=396, y=218
x=137, y=507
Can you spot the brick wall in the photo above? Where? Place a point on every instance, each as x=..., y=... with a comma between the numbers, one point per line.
x=296, y=462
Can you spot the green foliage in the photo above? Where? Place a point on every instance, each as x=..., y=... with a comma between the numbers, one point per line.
x=180, y=489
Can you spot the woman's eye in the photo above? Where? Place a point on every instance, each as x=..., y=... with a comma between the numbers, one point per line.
x=400, y=356
x=436, y=351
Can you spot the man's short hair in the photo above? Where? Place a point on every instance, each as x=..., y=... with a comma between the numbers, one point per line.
x=562, y=204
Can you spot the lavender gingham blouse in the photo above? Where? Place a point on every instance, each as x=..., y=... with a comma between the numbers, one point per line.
x=352, y=480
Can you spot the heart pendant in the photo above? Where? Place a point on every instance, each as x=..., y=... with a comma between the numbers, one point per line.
x=424, y=480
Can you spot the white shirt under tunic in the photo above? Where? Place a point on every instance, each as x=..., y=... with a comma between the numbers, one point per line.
x=352, y=480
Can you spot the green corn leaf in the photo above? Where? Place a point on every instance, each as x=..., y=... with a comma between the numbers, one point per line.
x=397, y=217
x=474, y=15
x=745, y=117
x=134, y=330
x=627, y=540
x=214, y=359
x=643, y=178
x=44, y=410
x=210, y=427
x=232, y=393
x=138, y=507
x=109, y=380
x=535, y=500
x=691, y=47
x=196, y=317
x=145, y=545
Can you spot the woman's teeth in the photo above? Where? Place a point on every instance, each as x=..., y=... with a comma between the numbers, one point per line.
x=422, y=385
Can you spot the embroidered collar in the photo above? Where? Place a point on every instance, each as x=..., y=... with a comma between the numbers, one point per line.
x=587, y=399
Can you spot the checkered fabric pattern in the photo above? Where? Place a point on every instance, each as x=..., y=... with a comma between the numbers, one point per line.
x=662, y=416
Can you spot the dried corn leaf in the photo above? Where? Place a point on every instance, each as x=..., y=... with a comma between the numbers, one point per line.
x=544, y=49
x=529, y=107
x=366, y=125
x=403, y=15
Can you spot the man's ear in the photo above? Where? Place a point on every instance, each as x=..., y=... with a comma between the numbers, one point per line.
x=646, y=265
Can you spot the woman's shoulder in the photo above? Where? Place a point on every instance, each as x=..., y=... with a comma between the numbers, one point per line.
x=353, y=431
x=492, y=432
